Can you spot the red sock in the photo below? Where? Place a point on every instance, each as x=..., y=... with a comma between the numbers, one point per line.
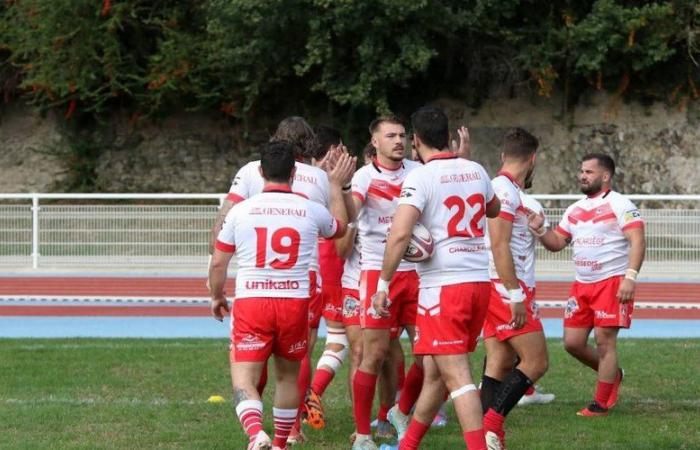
x=383, y=410
x=493, y=421
x=284, y=420
x=475, y=439
x=363, y=387
x=411, y=389
x=602, y=393
x=262, y=382
x=322, y=378
x=414, y=434
x=530, y=390
x=249, y=413
x=304, y=378
x=401, y=372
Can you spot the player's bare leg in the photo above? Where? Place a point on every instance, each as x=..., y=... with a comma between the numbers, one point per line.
x=428, y=404
x=531, y=348
x=249, y=406
x=576, y=344
x=609, y=373
x=455, y=372
x=286, y=401
x=354, y=334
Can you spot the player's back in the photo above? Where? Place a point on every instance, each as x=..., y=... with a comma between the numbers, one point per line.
x=275, y=234
x=452, y=194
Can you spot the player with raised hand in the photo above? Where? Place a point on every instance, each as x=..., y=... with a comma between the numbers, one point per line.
x=606, y=232
x=272, y=234
x=451, y=197
x=512, y=327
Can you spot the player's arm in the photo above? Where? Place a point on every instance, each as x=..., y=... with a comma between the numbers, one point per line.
x=338, y=177
x=552, y=240
x=218, y=222
x=345, y=244
x=500, y=232
x=402, y=224
x=493, y=207
x=638, y=246
x=217, y=279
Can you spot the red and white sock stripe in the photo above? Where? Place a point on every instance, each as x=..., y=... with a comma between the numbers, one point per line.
x=250, y=415
x=284, y=421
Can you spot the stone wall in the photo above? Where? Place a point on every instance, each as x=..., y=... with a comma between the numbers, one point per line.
x=657, y=147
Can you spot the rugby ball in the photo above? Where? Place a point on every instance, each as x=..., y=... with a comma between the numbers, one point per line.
x=421, y=245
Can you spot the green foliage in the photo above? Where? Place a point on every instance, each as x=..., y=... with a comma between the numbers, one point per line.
x=255, y=57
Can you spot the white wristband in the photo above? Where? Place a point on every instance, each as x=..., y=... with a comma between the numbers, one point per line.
x=631, y=274
x=516, y=295
x=382, y=286
x=352, y=225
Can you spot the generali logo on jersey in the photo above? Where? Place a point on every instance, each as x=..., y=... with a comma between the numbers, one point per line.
x=271, y=211
x=272, y=284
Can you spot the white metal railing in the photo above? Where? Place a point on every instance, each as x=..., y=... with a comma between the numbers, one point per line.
x=161, y=231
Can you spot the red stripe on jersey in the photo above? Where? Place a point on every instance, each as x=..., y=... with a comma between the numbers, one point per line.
x=507, y=216
x=605, y=218
x=393, y=189
x=563, y=232
x=633, y=225
x=235, y=198
x=224, y=247
x=373, y=191
x=302, y=195
x=583, y=215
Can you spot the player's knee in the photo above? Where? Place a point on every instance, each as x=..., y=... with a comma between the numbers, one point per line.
x=332, y=359
x=574, y=347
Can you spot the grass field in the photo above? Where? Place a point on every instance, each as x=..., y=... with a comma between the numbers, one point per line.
x=143, y=394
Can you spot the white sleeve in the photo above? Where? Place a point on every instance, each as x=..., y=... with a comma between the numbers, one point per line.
x=328, y=226
x=414, y=191
x=508, y=195
x=360, y=185
x=628, y=216
x=240, y=187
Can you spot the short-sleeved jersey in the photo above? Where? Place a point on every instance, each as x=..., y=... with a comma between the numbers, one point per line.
x=273, y=235
x=309, y=181
x=516, y=206
x=452, y=195
x=378, y=188
x=351, y=269
x=596, y=228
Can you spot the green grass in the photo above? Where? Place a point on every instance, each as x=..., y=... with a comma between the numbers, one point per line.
x=143, y=394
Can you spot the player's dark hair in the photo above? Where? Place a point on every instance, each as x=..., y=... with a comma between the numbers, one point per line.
x=327, y=137
x=297, y=132
x=518, y=143
x=603, y=160
x=374, y=125
x=431, y=126
x=277, y=161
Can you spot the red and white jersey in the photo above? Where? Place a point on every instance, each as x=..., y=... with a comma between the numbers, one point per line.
x=516, y=206
x=378, y=188
x=273, y=235
x=351, y=269
x=595, y=226
x=309, y=181
x=451, y=193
